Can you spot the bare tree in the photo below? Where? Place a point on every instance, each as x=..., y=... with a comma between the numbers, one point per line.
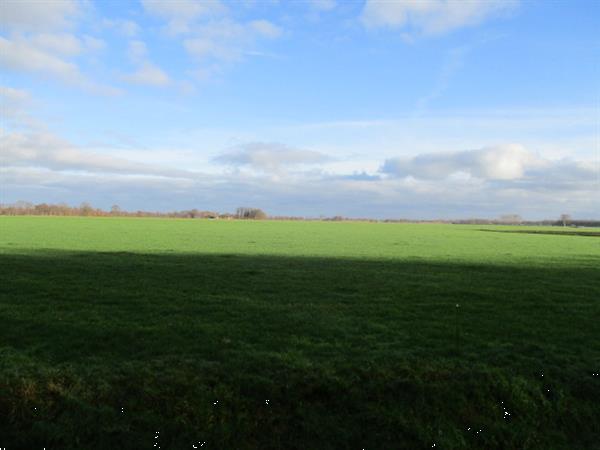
x=208, y=214
x=565, y=219
x=42, y=209
x=250, y=213
x=86, y=209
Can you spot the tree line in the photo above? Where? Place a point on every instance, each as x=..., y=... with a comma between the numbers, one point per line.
x=23, y=208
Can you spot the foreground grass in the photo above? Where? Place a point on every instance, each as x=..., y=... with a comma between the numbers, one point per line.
x=295, y=335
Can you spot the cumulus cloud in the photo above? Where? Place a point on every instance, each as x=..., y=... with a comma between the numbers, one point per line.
x=12, y=96
x=501, y=163
x=310, y=195
x=212, y=36
x=562, y=176
x=180, y=14
x=93, y=44
x=137, y=51
x=270, y=157
x=44, y=149
x=147, y=73
x=432, y=16
x=28, y=145
x=14, y=101
x=52, y=169
x=39, y=39
x=35, y=15
x=38, y=165
x=22, y=56
x=500, y=169
x=264, y=28
x=126, y=27
x=64, y=44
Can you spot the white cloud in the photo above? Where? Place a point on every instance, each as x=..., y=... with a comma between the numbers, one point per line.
x=270, y=156
x=501, y=163
x=126, y=27
x=499, y=170
x=39, y=39
x=46, y=150
x=38, y=15
x=205, y=48
x=11, y=95
x=323, y=5
x=20, y=55
x=311, y=194
x=553, y=132
x=64, y=44
x=265, y=28
x=482, y=183
x=37, y=162
x=93, y=44
x=181, y=13
x=53, y=186
x=212, y=35
x=148, y=74
x=13, y=110
x=432, y=16
x=137, y=51
x=38, y=165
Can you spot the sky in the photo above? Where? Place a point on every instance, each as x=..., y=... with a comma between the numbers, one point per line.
x=430, y=109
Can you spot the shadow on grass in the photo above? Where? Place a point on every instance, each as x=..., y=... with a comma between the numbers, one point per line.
x=286, y=352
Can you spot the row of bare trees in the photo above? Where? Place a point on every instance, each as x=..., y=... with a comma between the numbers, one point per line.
x=45, y=209
x=22, y=208
x=564, y=220
x=250, y=213
x=85, y=209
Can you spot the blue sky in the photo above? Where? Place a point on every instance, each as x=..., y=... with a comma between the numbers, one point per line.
x=416, y=109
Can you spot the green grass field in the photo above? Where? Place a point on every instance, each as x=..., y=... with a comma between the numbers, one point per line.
x=138, y=333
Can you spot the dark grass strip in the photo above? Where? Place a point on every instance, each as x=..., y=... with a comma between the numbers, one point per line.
x=104, y=350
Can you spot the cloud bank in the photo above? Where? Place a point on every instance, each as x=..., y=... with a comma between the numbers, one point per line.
x=37, y=165
x=511, y=164
x=270, y=157
x=508, y=162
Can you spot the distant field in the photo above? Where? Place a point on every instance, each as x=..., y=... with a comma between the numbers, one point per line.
x=123, y=333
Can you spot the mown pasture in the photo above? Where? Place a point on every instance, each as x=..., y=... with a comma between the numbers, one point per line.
x=129, y=333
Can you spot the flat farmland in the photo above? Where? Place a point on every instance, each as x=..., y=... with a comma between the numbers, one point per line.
x=141, y=332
